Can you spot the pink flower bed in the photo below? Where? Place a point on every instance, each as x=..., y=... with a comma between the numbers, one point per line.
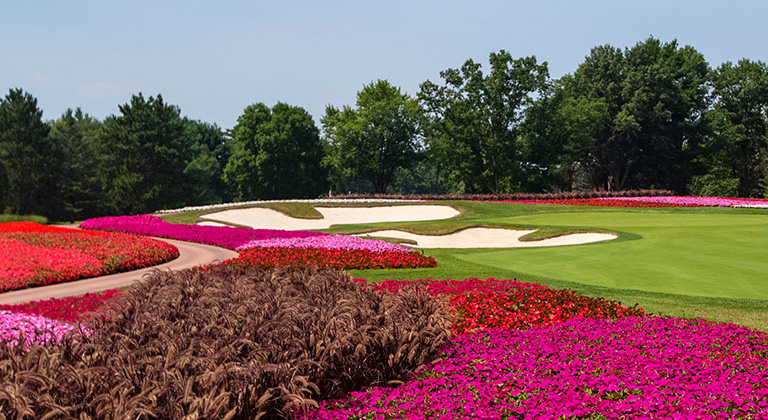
x=631, y=368
x=327, y=242
x=696, y=201
x=223, y=236
x=26, y=329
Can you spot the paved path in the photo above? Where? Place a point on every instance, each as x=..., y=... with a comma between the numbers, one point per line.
x=190, y=255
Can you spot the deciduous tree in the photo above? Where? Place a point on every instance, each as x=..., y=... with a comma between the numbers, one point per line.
x=372, y=141
x=277, y=154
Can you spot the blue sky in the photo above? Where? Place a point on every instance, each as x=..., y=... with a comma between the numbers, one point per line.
x=214, y=58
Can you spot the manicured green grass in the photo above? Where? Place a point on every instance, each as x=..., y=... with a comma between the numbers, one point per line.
x=689, y=262
x=23, y=218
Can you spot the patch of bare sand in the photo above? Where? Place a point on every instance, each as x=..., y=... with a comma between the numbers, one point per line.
x=489, y=238
x=261, y=218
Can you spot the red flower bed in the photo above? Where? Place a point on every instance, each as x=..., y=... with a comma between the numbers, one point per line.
x=510, y=304
x=70, y=309
x=32, y=254
x=602, y=202
x=345, y=259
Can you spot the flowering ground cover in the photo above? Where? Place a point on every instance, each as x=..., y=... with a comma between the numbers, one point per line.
x=652, y=201
x=345, y=259
x=510, y=304
x=682, y=201
x=223, y=236
x=628, y=368
x=70, y=309
x=328, y=242
x=34, y=255
x=27, y=329
x=608, y=202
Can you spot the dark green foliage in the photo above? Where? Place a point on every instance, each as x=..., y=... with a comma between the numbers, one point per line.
x=644, y=111
x=226, y=343
x=737, y=152
x=277, y=154
x=27, y=157
x=144, y=154
x=75, y=135
x=474, y=122
x=210, y=152
x=377, y=138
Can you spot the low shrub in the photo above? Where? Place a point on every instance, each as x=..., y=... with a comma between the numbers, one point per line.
x=228, y=342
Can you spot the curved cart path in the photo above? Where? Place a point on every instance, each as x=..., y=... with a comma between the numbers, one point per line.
x=190, y=255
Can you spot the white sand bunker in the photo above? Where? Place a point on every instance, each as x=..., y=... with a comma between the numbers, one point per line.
x=261, y=218
x=489, y=238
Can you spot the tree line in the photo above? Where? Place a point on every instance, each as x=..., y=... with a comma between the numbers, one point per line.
x=654, y=115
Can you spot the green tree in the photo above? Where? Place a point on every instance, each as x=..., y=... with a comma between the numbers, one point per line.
x=375, y=139
x=474, y=121
x=656, y=98
x=75, y=134
x=204, y=173
x=558, y=141
x=144, y=154
x=27, y=156
x=737, y=152
x=277, y=154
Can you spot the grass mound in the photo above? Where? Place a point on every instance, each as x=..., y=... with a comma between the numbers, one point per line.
x=227, y=342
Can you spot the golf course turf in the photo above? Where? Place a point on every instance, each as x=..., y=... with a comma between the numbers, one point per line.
x=686, y=262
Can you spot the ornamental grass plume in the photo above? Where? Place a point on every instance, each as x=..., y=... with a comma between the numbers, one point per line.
x=228, y=342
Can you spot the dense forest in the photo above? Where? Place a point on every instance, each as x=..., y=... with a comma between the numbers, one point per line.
x=654, y=115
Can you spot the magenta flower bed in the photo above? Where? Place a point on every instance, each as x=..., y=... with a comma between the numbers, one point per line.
x=631, y=368
x=327, y=242
x=223, y=236
x=26, y=329
x=696, y=201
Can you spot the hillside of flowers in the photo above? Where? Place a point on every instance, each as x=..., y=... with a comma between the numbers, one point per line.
x=70, y=309
x=36, y=255
x=524, y=351
x=510, y=304
x=222, y=236
x=23, y=329
x=629, y=368
x=327, y=242
x=339, y=258
x=652, y=201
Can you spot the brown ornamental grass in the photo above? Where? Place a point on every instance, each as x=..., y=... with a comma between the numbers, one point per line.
x=230, y=342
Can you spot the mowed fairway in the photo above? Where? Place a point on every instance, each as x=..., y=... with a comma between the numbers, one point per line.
x=685, y=262
x=717, y=255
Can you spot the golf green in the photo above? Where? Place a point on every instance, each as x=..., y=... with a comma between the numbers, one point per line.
x=722, y=255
